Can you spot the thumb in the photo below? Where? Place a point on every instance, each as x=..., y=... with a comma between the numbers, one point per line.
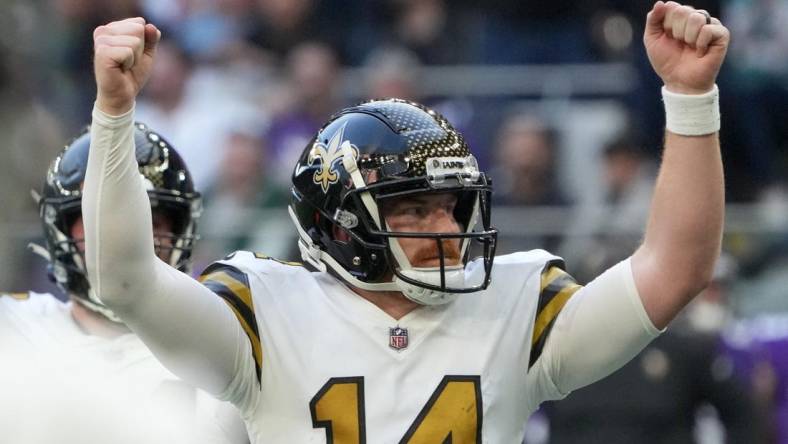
x=152, y=36
x=654, y=20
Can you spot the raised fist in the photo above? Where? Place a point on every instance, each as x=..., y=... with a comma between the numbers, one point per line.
x=124, y=53
x=686, y=46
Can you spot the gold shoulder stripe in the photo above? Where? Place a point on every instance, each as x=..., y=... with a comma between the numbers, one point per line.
x=556, y=288
x=239, y=289
x=232, y=286
x=552, y=309
x=21, y=296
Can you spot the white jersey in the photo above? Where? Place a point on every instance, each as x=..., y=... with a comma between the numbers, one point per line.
x=113, y=388
x=333, y=367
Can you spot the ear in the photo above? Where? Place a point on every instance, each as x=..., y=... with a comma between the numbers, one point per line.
x=340, y=234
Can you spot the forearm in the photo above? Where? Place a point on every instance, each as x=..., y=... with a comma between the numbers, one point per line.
x=116, y=215
x=158, y=302
x=684, y=230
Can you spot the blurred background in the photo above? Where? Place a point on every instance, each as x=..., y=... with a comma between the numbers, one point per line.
x=557, y=100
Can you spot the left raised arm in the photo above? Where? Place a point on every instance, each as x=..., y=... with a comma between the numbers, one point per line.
x=686, y=47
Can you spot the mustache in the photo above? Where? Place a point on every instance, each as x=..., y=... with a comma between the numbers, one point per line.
x=451, y=253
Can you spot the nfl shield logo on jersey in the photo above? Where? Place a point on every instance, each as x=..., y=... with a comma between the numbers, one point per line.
x=398, y=338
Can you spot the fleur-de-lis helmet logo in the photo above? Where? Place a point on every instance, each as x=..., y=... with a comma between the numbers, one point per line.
x=329, y=155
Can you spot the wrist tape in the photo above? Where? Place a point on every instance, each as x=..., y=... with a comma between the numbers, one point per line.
x=692, y=114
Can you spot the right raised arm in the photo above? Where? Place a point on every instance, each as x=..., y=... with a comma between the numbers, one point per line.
x=191, y=330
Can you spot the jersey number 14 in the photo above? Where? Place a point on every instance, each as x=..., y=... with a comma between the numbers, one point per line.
x=453, y=413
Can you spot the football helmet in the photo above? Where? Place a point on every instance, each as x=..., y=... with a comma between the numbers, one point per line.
x=171, y=192
x=372, y=153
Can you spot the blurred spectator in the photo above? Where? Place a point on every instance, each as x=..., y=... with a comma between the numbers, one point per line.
x=72, y=88
x=526, y=165
x=760, y=345
x=615, y=227
x=31, y=136
x=283, y=24
x=244, y=187
x=761, y=37
x=392, y=71
x=308, y=96
x=278, y=26
x=629, y=181
x=534, y=31
x=758, y=100
x=196, y=117
x=437, y=33
x=760, y=339
x=525, y=174
x=206, y=29
x=662, y=395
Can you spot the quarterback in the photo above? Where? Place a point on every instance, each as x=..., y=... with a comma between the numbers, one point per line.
x=405, y=327
x=80, y=345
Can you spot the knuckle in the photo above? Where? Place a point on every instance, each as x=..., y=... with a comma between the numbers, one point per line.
x=102, y=52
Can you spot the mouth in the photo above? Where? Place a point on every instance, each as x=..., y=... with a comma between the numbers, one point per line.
x=436, y=262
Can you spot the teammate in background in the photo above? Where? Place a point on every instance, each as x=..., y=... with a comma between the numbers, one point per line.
x=399, y=336
x=82, y=341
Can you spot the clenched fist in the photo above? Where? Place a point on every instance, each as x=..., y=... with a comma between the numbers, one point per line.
x=686, y=47
x=124, y=53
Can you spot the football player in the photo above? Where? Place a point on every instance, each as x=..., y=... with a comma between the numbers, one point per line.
x=82, y=336
x=398, y=335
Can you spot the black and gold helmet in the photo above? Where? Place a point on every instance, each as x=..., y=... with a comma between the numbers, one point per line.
x=171, y=192
x=373, y=152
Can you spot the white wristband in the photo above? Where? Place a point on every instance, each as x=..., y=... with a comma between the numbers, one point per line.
x=692, y=114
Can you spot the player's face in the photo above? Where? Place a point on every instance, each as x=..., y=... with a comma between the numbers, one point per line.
x=428, y=213
x=162, y=231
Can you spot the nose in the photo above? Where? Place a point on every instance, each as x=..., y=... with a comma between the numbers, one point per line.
x=442, y=221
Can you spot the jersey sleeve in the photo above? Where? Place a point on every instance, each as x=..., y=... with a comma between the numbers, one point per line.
x=190, y=330
x=591, y=331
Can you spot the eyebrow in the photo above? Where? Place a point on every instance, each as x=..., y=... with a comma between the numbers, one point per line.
x=420, y=200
